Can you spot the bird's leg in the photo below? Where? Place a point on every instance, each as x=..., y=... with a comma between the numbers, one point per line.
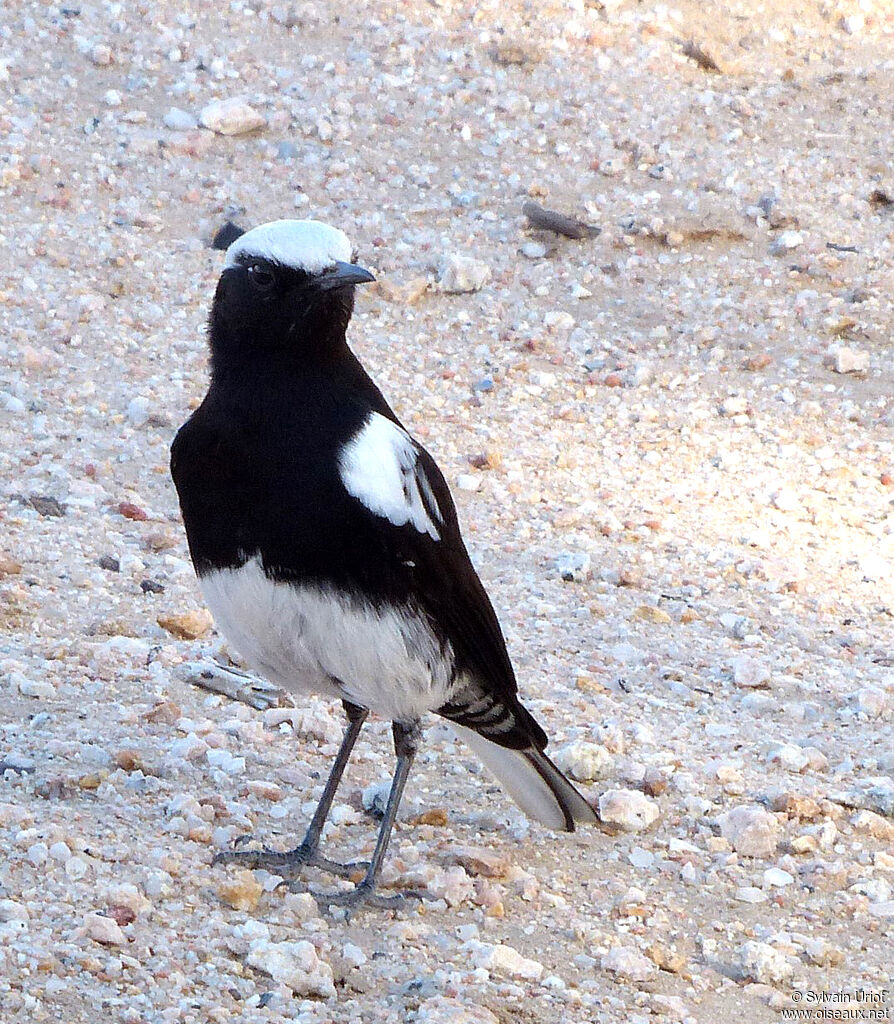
x=306, y=853
x=406, y=742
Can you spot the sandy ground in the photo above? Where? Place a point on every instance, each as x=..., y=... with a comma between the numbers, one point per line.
x=693, y=408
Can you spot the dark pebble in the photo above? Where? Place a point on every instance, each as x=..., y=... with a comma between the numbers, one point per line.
x=47, y=506
x=109, y=563
x=151, y=587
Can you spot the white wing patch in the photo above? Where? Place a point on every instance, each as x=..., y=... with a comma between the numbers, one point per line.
x=307, y=245
x=380, y=467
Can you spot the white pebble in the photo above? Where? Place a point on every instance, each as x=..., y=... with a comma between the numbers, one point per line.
x=180, y=120
x=751, y=830
x=629, y=963
x=503, y=959
x=777, y=877
x=762, y=963
x=232, y=116
x=295, y=964
x=462, y=274
x=629, y=809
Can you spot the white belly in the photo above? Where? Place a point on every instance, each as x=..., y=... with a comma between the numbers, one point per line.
x=308, y=639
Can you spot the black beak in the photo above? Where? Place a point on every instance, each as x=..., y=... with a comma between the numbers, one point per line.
x=341, y=275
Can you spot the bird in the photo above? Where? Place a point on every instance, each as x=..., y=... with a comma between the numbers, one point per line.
x=327, y=546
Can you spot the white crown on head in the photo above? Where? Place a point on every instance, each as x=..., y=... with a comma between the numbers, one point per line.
x=307, y=245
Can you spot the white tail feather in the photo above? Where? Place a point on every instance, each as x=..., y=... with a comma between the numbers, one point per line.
x=533, y=782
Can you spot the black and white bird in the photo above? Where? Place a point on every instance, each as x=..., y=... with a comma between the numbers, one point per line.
x=326, y=541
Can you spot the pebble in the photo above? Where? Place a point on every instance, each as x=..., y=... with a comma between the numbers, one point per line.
x=503, y=959
x=469, y=482
x=234, y=116
x=187, y=625
x=850, y=360
x=458, y=274
x=295, y=964
x=751, y=830
x=777, y=877
x=749, y=672
x=750, y=894
x=241, y=892
x=872, y=701
x=761, y=962
x=789, y=756
x=787, y=241
x=534, y=250
x=41, y=688
x=628, y=963
x=104, y=930
x=573, y=566
x=627, y=809
x=584, y=761
x=180, y=120
x=479, y=861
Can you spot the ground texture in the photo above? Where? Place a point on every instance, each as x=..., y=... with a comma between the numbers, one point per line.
x=671, y=445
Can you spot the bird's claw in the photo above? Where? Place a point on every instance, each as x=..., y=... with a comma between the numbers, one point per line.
x=364, y=895
x=287, y=863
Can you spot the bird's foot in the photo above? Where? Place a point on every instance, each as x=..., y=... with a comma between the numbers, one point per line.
x=365, y=894
x=288, y=863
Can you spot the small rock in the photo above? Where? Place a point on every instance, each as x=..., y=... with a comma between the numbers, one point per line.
x=180, y=120
x=850, y=360
x=35, y=687
x=762, y=963
x=872, y=701
x=241, y=892
x=574, y=566
x=874, y=825
x=558, y=320
x=9, y=566
x=447, y=1010
x=295, y=964
x=789, y=756
x=666, y=957
x=478, y=861
x=823, y=953
x=187, y=625
x=751, y=830
x=138, y=410
x=232, y=116
x=734, y=405
x=104, y=930
x=584, y=761
x=749, y=672
x=628, y=809
x=101, y=55
x=750, y=894
x=787, y=241
x=46, y=506
x=133, y=512
x=109, y=563
x=629, y=963
x=503, y=959
x=649, y=613
x=777, y=878
x=166, y=712
x=468, y=482
x=459, y=274
x=533, y=250
x=375, y=797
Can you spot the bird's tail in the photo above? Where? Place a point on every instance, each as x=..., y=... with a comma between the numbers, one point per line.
x=533, y=782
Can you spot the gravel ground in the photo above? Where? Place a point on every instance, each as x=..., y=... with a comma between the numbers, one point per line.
x=671, y=449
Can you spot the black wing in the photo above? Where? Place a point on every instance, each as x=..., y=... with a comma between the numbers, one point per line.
x=449, y=592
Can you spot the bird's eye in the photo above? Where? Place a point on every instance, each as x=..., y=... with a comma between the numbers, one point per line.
x=261, y=277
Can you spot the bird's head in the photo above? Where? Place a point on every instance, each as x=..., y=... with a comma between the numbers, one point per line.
x=286, y=286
